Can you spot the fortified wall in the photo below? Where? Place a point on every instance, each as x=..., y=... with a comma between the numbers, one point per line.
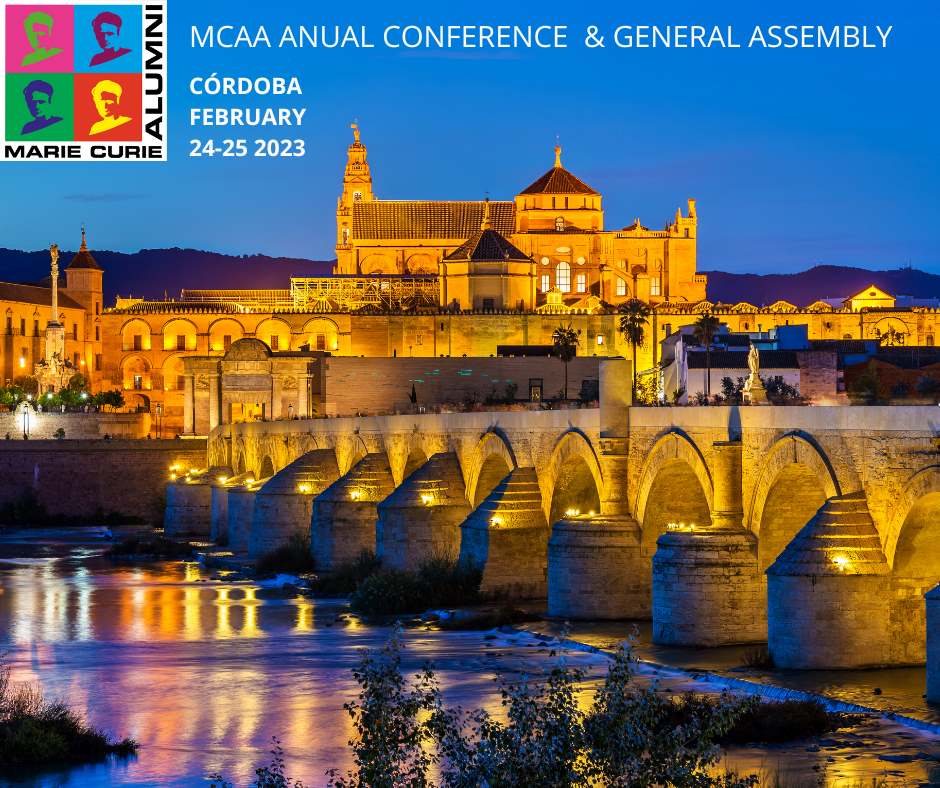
x=82, y=478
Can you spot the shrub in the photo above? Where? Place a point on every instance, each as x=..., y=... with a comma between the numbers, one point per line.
x=628, y=735
x=759, y=657
x=343, y=580
x=388, y=592
x=437, y=583
x=293, y=558
x=34, y=732
x=781, y=721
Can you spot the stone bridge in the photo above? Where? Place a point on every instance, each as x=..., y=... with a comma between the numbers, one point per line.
x=814, y=528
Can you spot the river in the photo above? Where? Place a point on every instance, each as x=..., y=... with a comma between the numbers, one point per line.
x=204, y=673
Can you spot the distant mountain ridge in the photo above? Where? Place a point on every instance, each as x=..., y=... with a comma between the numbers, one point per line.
x=821, y=281
x=150, y=273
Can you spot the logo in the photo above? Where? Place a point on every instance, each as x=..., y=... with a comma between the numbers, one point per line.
x=83, y=81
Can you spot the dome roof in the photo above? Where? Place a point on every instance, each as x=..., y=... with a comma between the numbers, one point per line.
x=84, y=259
x=558, y=181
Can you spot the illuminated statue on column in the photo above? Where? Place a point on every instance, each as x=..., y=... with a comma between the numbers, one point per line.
x=54, y=372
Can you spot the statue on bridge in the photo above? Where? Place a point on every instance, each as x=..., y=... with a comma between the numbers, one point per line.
x=754, y=391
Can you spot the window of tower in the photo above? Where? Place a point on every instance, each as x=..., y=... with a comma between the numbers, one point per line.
x=563, y=277
x=357, y=196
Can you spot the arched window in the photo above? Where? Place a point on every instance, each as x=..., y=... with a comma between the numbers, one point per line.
x=345, y=235
x=357, y=196
x=621, y=287
x=560, y=224
x=563, y=277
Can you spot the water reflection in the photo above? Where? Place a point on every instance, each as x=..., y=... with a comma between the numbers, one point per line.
x=203, y=673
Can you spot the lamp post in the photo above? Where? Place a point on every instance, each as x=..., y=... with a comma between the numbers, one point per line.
x=159, y=410
x=29, y=398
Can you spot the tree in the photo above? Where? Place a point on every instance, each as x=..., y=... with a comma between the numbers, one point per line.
x=634, y=317
x=565, y=342
x=705, y=329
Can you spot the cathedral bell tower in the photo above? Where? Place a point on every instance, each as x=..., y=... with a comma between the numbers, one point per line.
x=357, y=187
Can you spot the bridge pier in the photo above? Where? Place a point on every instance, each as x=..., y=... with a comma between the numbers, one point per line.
x=507, y=537
x=932, y=600
x=218, y=518
x=707, y=587
x=596, y=569
x=828, y=593
x=283, y=506
x=189, y=503
x=241, y=507
x=421, y=519
x=343, y=516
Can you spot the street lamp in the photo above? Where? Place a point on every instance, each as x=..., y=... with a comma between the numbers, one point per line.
x=26, y=419
x=159, y=409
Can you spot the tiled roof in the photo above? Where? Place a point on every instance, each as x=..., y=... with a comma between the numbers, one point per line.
x=909, y=357
x=34, y=294
x=737, y=359
x=558, y=181
x=383, y=219
x=84, y=260
x=486, y=246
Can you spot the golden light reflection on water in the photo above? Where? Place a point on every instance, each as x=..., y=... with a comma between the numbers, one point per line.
x=204, y=673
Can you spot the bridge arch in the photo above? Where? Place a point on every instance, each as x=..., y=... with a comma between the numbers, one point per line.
x=574, y=481
x=794, y=480
x=491, y=461
x=675, y=487
x=673, y=446
x=266, y=469
x=912, y=548
x=913, y=536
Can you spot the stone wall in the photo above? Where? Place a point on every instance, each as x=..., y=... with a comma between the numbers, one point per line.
x=76, y=425
x=383, y=385
x=79, y=478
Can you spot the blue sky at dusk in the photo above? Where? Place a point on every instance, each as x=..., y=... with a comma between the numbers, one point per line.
x=795, y=157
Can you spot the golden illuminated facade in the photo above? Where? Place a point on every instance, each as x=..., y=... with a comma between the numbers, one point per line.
x=555, y=227
x=464, y=278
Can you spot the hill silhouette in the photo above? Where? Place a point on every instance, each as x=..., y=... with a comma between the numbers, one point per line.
x=821, y=281
x=150, y=273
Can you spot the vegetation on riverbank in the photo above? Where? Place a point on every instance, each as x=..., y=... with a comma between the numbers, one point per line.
x=346, y=578
x=35, y=732
x=438, y=582
x=629, y=735
x=291, y=558
x=151, y=547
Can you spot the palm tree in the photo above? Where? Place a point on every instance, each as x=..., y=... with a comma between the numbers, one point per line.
x=705, y=329
x=634, y=317
x=565, y=341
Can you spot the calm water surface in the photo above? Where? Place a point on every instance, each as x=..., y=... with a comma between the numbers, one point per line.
x=204, y=673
